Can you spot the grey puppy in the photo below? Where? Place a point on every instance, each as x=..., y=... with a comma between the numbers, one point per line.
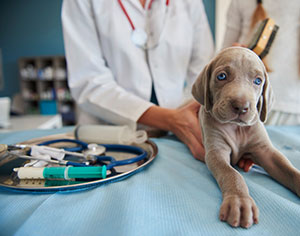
x=236, y=95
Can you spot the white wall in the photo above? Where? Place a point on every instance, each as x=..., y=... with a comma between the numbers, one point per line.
x=221, y=11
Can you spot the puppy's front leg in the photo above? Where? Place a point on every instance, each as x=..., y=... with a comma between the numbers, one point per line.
x=278, y=166
x=237, y=208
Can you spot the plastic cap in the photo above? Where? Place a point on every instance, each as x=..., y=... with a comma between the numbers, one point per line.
x=128, y=136
x=140, y=136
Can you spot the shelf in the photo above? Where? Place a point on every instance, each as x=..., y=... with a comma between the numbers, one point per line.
x=44, y=86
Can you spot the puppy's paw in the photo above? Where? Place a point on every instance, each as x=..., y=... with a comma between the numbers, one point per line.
x=239, y=211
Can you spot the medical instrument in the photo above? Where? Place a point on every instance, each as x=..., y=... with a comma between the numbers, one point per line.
x=46, y=154
x=58, y=153
x=58, y=162
x=82, y=146
x=9, y=178
x=107, y=134
x=8, y=152
x=92, y=150
x=141, y=154
x=139, y=36
x=42, y=153
x=66, y=173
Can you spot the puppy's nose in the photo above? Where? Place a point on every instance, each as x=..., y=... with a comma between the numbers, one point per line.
x=240, y=107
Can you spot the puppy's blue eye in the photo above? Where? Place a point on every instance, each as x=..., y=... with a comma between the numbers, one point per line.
x=221, y=76
x=257, y=81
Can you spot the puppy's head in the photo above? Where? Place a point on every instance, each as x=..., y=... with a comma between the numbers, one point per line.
x=234, y=87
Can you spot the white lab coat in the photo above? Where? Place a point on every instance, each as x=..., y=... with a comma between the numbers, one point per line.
x=110, y=77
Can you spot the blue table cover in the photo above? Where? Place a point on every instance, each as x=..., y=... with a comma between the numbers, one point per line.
x=176, y=195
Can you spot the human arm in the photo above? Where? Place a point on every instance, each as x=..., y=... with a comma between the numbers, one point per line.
x=183, y=122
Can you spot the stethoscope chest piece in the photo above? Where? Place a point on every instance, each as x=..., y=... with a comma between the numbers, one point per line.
x=94, y=149
x=139, y=37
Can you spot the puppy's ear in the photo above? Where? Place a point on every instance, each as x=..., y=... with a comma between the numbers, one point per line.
x=200, y=90
x=266, y=99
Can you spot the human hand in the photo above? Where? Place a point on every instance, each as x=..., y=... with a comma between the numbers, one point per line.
x=245, y=164
x=183, y=122
x=185, y=125
x=239, y=45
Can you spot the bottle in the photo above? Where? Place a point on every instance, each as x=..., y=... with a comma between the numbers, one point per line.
x=110, y=134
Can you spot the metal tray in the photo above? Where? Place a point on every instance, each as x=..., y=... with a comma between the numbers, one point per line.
x=9, y=180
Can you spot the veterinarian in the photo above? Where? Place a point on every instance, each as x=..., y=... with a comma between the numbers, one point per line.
x=284, y=57
x=130, y=61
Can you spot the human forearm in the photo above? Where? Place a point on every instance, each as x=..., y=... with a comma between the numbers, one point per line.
x=157, y=117
x=183, y=122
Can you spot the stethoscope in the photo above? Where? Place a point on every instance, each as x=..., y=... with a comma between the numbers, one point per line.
x=96, y=151
x=138, y=36
x=92, y=154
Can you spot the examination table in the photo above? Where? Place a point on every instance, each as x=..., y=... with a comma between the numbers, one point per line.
x=175, y=195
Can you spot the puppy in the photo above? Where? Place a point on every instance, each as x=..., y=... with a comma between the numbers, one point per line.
x=236, y=95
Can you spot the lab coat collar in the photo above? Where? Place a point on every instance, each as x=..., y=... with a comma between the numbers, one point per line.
x=138, y=5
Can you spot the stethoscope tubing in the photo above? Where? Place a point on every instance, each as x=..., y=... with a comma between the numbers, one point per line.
x=141, y=154
x=127, y=15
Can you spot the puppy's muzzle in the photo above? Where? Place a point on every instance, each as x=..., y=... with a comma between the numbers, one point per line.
x=240, y=106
